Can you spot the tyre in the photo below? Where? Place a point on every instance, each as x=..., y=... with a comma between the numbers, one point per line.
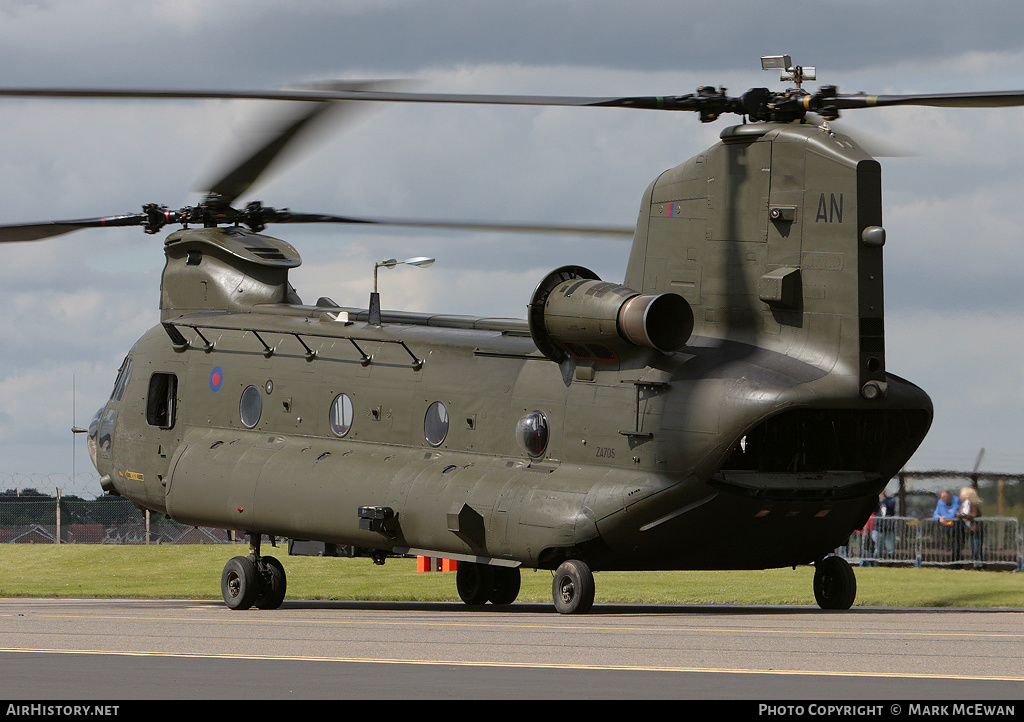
x=505, y=588
x=573, y=587
x=474, y=582
x=273, y=584
x=835, y=585
x=239, y=583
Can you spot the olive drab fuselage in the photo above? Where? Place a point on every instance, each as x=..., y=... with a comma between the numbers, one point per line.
x=761, y=441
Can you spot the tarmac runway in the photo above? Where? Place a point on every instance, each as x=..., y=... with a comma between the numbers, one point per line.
x=123, y=650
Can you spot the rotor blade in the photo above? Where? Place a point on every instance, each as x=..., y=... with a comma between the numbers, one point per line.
x=37, y=231
x=238, y=180
x=17, y=232
x=698, y=102
x=997, y=99
x=648, y=102
x=276, y=138
x=288, y=217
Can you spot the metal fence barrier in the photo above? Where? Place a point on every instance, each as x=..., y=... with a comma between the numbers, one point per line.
x=42, y=519
x=988, y=542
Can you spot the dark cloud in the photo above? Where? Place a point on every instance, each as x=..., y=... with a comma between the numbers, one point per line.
x=247, y=44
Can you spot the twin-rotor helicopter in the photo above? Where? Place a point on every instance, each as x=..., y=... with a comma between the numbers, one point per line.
x=726, y=406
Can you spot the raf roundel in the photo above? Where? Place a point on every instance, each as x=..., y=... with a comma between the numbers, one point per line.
x=216, y=378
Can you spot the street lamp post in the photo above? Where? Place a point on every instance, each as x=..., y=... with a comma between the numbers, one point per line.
x=421, y=261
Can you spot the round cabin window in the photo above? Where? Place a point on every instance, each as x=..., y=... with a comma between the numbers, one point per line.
x=532, y=433
x=341, y=415
x=250, y=407
x=435, y=423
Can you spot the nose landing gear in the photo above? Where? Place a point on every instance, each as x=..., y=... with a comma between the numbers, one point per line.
x=253, y=580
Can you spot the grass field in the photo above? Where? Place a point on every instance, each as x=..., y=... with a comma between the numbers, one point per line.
x=193, y=572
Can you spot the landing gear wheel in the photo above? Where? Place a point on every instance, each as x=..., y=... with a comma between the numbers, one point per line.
x=835, y=586
x=573, y=587
x=273, y=583
x=505, y=588
x=239, y=583
x=474, y=582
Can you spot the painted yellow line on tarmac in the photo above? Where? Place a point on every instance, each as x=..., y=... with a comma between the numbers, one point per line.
x=515, y=665
x=391, y=622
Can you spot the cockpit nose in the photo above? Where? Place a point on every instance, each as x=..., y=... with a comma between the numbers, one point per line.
x=93, y=441
x=97, y=439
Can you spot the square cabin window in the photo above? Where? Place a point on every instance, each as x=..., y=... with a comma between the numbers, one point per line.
x=161, y=400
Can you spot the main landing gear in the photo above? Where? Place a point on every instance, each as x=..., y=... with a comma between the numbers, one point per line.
x=572, y=588
x=835, y=586
x=482, y=583
x=253, y=580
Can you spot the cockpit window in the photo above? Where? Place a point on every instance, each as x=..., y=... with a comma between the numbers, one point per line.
x=94, y=436
x=106, y=429
x=123, y=375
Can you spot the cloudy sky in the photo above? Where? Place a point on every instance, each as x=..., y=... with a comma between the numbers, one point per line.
x=71, y=307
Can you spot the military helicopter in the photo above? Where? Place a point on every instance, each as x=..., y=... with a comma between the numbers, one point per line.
x=727, y=406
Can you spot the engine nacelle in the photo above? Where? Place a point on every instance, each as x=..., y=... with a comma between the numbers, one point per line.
x=574, y=313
